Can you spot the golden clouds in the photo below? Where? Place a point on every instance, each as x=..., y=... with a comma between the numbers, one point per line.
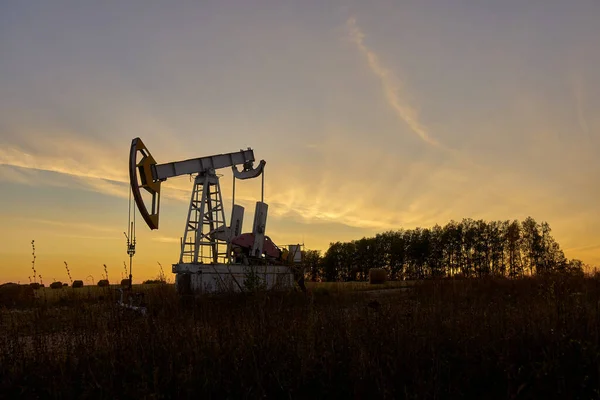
x=391, y=85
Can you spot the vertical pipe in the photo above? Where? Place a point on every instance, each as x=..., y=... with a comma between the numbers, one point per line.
x=130, y=275
x=262, y=189
x=220, y=219
x=131, y=255
x=233, y=196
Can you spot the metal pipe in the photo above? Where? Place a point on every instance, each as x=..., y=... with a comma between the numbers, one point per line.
x=233, y=196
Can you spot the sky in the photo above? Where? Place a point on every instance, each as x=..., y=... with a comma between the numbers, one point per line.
x=370, y=116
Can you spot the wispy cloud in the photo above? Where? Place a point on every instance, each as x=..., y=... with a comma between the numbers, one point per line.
x=165, y=239
x=16, y=157
x=76, y=226
x=89, y=168
x=93, y=169
x=392, y=86
x=590, y=247
x=11, y=174
x=84, y=237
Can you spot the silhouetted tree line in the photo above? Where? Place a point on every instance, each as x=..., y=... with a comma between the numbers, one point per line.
x=468, y=248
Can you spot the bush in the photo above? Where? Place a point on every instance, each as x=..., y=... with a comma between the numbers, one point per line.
x=12, y=294
x=56, y=285
x=103, y=283
x=377, y=276
x=153, y=281
x=77, y=284
x=254, y=282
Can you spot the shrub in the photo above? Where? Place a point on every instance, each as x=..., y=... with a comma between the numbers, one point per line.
x=125, y=282
x=153, y=281
x=15, y=294
x=253, y=281
x=103, y=283
x=377, y=276
x=77, y=284
x=56, y=285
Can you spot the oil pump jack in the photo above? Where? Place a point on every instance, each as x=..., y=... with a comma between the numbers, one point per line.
x=215, y=257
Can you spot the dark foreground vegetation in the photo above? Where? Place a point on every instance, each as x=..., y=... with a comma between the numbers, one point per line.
x=471, y=338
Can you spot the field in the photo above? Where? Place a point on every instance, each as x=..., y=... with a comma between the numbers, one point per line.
x=487, y=338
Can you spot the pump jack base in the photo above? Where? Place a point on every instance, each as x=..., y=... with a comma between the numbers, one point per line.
x=221, y=278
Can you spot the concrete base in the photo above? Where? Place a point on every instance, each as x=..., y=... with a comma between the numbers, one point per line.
x=215, y=278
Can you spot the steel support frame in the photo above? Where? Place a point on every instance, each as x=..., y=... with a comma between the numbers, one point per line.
x=206, y=216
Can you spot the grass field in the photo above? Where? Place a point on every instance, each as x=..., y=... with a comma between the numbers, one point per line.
x=493, y=338
x=337, y=287
x=90, y=293
x=66, y=294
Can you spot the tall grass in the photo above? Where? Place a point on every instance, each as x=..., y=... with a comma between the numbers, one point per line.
x=494, y=339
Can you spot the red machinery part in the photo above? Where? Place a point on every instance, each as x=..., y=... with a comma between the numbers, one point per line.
x=246, y=240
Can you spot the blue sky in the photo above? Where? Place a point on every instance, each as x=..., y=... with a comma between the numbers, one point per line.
x=370, y=115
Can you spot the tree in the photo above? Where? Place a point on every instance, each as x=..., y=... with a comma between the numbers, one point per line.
x=532, y=245
x=513, y=248
x=483, y=239
x=453, y=246
x=332, y=261
x=468, y=246
x=474, y=248
x=436, y=252
x=497, y=243
x=575, y=267
x=312, y=263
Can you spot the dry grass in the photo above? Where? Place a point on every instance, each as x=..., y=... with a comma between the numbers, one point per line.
x=69, y=295
x=343, y=287
x=494, y=339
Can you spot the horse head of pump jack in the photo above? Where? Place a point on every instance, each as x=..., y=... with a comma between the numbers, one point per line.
x=145, y=173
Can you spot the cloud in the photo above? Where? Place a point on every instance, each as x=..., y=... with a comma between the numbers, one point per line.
x=392, y=86
x=78, y=164
x=21, y=176
x=381, y=192
x=77, y=226
x=84, y=164
x=584, y=248
x=165, y=239
x=90, y=167
x=76, y=236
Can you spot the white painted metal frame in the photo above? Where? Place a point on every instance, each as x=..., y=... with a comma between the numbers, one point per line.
x=162, y=172
x=206, y=217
